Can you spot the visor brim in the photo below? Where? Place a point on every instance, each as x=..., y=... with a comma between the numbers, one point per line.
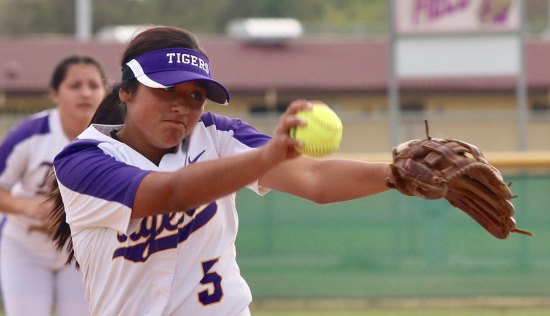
x=215, y=91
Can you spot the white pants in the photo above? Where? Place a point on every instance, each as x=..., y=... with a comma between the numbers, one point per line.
x=38, y=284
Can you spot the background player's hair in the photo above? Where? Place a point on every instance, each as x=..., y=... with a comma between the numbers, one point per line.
x=60, y=71
x=112, y=110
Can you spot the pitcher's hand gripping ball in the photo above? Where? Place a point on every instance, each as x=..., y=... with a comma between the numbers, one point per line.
x=434, y=168
x=322, y=134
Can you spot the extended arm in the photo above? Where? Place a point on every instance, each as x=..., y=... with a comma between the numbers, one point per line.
x=327, y=181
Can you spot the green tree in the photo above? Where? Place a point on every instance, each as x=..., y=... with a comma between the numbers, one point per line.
x=203, y=16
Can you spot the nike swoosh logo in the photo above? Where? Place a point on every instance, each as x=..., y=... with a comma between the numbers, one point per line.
x=192, y=161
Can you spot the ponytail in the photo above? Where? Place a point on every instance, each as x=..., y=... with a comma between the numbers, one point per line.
x=59, y=230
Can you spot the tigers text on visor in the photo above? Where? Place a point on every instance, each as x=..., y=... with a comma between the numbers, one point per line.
x=167, y=67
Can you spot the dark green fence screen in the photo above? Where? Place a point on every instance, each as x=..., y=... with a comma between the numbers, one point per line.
x=391, y=246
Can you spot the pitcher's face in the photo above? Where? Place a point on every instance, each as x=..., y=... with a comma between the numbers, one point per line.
x=164, y=117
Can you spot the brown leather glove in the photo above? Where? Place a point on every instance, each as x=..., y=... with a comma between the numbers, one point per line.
x=434, y=168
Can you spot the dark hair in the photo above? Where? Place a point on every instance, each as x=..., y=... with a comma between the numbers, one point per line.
x=60, y=71
x=111, y=111
x=59, y=230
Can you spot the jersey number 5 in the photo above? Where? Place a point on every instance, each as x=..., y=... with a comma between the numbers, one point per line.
x=215, y=295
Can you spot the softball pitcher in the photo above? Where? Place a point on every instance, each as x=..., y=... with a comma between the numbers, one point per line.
x=148, y=204
x=33, y=274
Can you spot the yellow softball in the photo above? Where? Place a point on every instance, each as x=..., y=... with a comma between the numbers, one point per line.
x=322, y=134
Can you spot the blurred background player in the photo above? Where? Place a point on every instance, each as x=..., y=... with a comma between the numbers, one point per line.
x=33, y=274
x=150, y=203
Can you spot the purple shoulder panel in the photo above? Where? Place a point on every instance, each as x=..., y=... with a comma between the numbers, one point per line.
x=28, y=128
x=84, y=168
x=243, y=132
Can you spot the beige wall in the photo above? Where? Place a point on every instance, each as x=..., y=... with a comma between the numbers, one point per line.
x=487, y=120
x=484, y=119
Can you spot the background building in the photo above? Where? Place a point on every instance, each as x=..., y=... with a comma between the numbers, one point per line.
x=350, y=74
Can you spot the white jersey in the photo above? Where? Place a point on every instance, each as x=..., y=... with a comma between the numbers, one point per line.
x=26, y=159
x=179, y=263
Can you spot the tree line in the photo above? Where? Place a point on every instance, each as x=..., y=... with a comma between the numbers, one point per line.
x=20, y=17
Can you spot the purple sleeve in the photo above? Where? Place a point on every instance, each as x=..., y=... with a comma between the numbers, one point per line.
x=23, y=131
x=84, y=168
x=242, y=131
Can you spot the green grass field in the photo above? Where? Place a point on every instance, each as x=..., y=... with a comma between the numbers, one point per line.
x=402, y=312
x=526, y=311
x=485, y=306
x=410, y=312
